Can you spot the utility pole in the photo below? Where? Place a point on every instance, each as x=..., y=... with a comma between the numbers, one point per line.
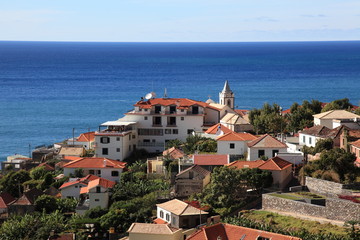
x=73, y=139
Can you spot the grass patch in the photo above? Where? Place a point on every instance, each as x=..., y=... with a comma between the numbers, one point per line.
x=307, y=195
x=291, y=223
x=286, y=196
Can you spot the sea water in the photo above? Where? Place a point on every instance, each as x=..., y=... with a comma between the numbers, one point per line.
x=49, y=88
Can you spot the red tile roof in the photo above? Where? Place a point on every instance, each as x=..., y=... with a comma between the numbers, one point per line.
x=101, y=182
x=210, y=159
x=159, y=221
x=356, y=143
x=241, y=112
x=83, y=181
x=181, y=103
x=246, y=164
x=275, y=163
x=71, y=158
x=267, y=141
x=233, y=136
x=174, y=153
x=95, y=163
x=5, y=199
x=231, y=232
x=86, y=137
x=28, y=198
x=215, y=128
x=71, y=183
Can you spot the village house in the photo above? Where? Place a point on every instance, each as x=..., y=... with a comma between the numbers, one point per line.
x=191, y=180
x=5, y=200
x=224, y=231
x=215, y=131
x=237, y=122
x=264, y=146
x=101, y=167
x=234, y=144
x=347, y=136
x=280, y=169
x=210, y=161
x=355, y=148
x=180, y=214
x=95, y=194
x=86, y=140
x=335, y=118
x=71, y=189
x=72, y=151
x=141, y=231
x=26, y=203
x=310, y=136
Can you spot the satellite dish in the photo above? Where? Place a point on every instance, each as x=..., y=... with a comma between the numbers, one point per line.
x=153, y=94
x=148, y=96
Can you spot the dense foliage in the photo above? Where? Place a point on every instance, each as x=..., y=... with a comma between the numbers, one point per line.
x=301, y=116
x=343, y=104
x=267, y=119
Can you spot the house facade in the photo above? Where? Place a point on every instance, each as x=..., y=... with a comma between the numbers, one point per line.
x=101, y=167
x=191, y=180
x=149, y=231
x=309, y=137
x=266, y=146
x=234, y=143
x=335, y=118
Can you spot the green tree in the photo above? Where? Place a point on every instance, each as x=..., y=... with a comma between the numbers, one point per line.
x=66, y=204
x=38, y=173
x=47, y=203
x=338, y=104
x=268, y=119
x=13, y=182
x=323, y=144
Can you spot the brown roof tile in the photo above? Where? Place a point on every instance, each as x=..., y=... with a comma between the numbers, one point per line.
x=267, y=141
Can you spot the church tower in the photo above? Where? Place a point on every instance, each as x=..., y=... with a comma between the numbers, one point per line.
x=226, y=96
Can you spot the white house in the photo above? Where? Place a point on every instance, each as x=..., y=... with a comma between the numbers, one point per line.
x=266, y=146
x=154, y=121
x=335, y=118
x=310, y=136
x=101, y=167
x=71, y=189
x=85, y=139
x=234, y=143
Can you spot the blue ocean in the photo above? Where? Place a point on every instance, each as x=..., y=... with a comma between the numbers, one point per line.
x=49, y=88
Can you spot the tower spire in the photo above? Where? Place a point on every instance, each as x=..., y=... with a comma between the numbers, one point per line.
x=226, y=96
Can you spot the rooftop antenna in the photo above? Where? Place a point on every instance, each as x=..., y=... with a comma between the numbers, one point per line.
x=165, y=93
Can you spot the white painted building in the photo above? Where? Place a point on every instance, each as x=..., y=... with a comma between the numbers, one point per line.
x=233, y=143
x=266, y=146
x=101, y=167
x=330, y=119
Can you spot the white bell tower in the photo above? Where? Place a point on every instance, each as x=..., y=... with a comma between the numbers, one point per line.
x=226, y=96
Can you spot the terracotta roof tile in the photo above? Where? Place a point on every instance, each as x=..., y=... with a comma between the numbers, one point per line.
x=181, y=103
x=214, y=129
x=5, y=199
x=180, y=208
x=246, y=164
x=174, y=153
x=233, y=136
x=86, y=137
x=95, y=163
x=101, y=182
x=28, y=198
x=275, y=163
x=159, y=221
x=356, y=143
x=336, y=114
x=232, y=232
x=149, y=228
x=267, y=141
x=211, y=159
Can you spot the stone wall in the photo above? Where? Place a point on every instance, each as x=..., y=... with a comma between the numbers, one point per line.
x=335, y=209
x=287, y=205
x=327, y=188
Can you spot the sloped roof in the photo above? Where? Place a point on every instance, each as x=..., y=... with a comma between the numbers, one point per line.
x=71, y=183
x=246, y=164
x=266, y=141
x=149, y=228
x=83, y=181
x=101, y=182
x=196, y=168
x=233, y=118
x=180, y=208
x=5, y=199
x=322, y=131
x=215, y=128
x=211, y=159
x=181, y=103
x=275, y=163
x=242, y=112
x=47, y=166
x=28, y=198
x=233, y=136
x=231, y=232
x=86, y=137
x=95, y=163
x=72, y=151
x=336, y=114
x=174, y=153
x=159, y=221
x=356, y=143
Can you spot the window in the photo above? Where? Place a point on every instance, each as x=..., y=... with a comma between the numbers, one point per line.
x=105, y=151
x=146, y=140
x=129, y=137
x=171, y=121
x=175, y=131
x=114, y=173
x=161, y=214
x=309, y=140
x=189, y=131
x=157, y=109
x=134, y=147
x=157, y=121
x=105, y=140
x=191, y=175
x=150, y=132
x=303, y=139
x=76, y=186
x=274, y=152
x=167, y=217
x=182, y=118
x=232, y=145
x=262, y=238
x=99, y=172
x=133, y=136
x=182, y=110
x=261, y=153
x=117, y=138
x=167, y=131
x=97, y=200
x=129, y=147
x=91, y=172
x=98, y=189
x=118, y=149
x=195, y=110
x=145, y=118
x=174, y=221
x=172, y=109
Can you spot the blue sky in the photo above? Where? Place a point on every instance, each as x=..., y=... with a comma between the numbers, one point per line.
x=179, y=20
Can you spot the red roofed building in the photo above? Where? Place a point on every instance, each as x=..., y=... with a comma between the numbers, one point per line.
x=223, y=231
x=26, y=203
x=355, y=148
x=209, y=161
x=153, y=121
x=234, y=143
x=217, y=130
x=281, y=169
x=101, y=167
x=265, y=145
x=5, y=200
x=95, y=194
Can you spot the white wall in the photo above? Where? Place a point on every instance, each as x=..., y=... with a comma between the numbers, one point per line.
x=310, y=141
x=223, y=147
x=72, y=191
x=165, y=212
x=105, y=172
x=253, y=152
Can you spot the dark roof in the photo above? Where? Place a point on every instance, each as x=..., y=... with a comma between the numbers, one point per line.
x=322, y=131
x=5, y=199
x=196, y=168
x=29, y=197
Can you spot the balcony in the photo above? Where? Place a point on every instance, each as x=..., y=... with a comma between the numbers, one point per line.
x=150, y=144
